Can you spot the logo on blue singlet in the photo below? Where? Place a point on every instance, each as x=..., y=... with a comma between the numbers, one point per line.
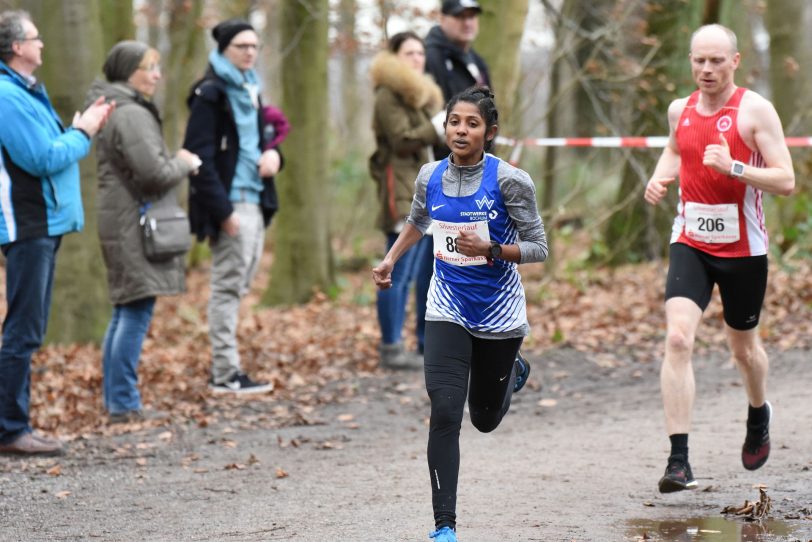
x=484, y=202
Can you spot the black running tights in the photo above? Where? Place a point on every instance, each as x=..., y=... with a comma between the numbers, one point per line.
x=452, y=356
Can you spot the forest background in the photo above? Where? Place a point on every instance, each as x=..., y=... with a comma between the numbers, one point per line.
x=561, y=68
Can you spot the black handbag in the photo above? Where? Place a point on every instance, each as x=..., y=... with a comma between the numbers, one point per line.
x=165, y=229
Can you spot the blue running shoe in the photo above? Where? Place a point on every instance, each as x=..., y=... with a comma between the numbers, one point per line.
x=522, y=372
x=444, y=534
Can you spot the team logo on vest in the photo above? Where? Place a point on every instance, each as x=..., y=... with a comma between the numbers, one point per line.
x=484, y=202
x=724, y=123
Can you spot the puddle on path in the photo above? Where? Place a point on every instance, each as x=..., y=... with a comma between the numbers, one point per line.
x=716, y=529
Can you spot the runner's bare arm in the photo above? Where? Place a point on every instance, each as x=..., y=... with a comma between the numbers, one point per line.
x=778, y=177
x=668, y=165
x=760, y=128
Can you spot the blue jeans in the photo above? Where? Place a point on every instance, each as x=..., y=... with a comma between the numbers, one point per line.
x=29, y=282
x=121, y=352
x=392, y=301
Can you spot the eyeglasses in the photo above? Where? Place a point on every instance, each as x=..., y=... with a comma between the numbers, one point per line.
x=243, y=47
x=35, y=38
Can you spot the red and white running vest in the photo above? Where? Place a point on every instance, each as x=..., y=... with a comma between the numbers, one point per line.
x=717, y=213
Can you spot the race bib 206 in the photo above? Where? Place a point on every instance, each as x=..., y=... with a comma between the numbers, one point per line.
x=712, y=223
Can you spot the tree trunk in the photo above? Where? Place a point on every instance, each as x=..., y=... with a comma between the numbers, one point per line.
x=152, y=10
x=710, y=14
x=589, y=15
x=231, y=9
x=501, y=30
x=791, y=85
x=271, y=52
x=302, y=262
x=789, y=55
x=636, y=231
x=117, y=22
x=348, y=47
x=184, y=63
x=72, y=33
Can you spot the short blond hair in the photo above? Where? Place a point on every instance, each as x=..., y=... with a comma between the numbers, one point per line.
x=734, y=41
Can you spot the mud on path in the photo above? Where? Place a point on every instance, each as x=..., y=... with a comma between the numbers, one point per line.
x=577, y=461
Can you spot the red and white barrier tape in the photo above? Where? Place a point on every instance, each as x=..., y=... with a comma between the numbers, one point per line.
x=657, y=142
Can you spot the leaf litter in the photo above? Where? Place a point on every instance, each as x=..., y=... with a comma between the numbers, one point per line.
x=307, y=351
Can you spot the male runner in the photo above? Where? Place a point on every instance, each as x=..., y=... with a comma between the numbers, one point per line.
x=727, y=146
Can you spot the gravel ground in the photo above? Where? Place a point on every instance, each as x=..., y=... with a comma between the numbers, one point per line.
x=577, y=460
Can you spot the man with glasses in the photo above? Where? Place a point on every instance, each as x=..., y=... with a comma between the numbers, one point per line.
x=40, y=200
x=232, y=198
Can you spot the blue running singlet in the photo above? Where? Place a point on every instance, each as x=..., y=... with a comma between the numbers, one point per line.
x=472, y=292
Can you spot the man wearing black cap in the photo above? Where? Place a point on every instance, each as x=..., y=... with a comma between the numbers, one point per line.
x=232, y=198
x=450, y=59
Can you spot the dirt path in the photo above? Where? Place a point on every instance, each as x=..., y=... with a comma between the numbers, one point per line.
x=583, y=469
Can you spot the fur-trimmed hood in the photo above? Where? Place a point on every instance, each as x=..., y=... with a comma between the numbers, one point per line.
x=417, y=90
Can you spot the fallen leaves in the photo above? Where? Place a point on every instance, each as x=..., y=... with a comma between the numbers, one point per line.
x=752, y=511
x=307, y=351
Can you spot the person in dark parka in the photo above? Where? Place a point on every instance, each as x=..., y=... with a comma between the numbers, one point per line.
x=135, y=168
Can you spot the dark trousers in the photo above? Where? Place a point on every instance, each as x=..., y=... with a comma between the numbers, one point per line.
x=29, y=281
x=459, y=365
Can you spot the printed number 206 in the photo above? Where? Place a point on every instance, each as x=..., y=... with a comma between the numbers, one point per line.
x=711, y=224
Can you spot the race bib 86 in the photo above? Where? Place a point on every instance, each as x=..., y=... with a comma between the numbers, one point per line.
x=445, y=241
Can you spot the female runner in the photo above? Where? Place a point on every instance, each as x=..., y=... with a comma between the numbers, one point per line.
x=485, y=222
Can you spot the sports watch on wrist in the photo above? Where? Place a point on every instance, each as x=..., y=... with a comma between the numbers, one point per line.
x=495, y=251
x=737, y=169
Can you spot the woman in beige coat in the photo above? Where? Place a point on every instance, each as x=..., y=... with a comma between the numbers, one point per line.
x=134, y=166
x=406, y=99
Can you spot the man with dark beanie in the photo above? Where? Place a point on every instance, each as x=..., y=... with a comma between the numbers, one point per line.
x=232, y=197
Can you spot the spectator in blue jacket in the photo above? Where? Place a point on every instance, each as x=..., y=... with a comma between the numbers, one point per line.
x=232, y=198
x=40, y=200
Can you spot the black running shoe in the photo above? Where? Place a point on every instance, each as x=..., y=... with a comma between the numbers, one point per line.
x=678, y=475
x=240, y=384
x=522, y=372
x=756, y=447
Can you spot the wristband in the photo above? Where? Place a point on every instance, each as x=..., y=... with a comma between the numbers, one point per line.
x=83, y=131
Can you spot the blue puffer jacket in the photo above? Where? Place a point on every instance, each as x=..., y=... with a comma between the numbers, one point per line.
x=39, y=164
